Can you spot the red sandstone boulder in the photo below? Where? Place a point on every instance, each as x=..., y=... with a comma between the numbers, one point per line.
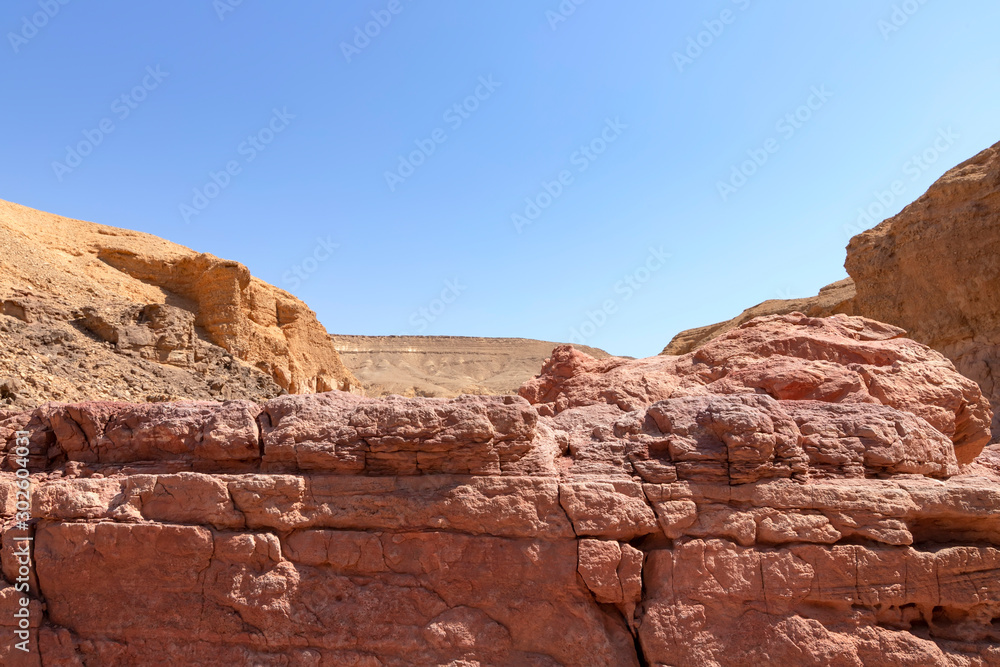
x=397, y=436
x=838, y=359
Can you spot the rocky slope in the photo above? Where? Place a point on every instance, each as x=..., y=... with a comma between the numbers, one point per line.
x=444, y=366
x=933, y=270
x=798, y=491
x=90, y=311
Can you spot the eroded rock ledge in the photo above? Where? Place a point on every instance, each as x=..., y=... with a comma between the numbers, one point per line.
x=802, y=491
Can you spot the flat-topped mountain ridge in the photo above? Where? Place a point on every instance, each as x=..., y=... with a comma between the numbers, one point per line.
x=444, y=366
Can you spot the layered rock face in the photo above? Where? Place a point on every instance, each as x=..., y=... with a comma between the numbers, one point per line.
x=90, y=311
x=798, y=491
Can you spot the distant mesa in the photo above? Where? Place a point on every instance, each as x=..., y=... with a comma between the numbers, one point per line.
x=444, y=366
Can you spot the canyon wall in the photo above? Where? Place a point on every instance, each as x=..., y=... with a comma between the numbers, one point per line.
x=934, y=270
x=801, y=491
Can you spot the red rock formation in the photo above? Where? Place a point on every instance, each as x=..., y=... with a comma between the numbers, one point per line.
x=788, y=357
x=800, y=491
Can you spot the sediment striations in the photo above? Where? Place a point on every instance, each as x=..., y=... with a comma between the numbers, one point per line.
x=798, y=491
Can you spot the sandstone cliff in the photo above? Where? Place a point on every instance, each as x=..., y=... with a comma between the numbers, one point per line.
x=444, y=366
x=798, y=491
x=91, y=311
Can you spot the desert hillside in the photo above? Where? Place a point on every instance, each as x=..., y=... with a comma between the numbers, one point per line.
x=837, y=298
x=96, y=312
x=444, y=366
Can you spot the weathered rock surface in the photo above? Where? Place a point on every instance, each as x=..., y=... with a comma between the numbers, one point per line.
x=840, y=359
x=800, y=490
x=94, y=312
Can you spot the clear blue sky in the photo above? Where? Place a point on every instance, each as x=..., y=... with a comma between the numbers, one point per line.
x=662, y=133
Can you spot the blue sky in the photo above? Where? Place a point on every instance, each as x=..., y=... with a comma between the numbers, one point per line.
x=573, y=193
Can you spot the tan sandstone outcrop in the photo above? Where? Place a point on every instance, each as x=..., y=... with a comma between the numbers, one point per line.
x=800, y=491
x=100, y=312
